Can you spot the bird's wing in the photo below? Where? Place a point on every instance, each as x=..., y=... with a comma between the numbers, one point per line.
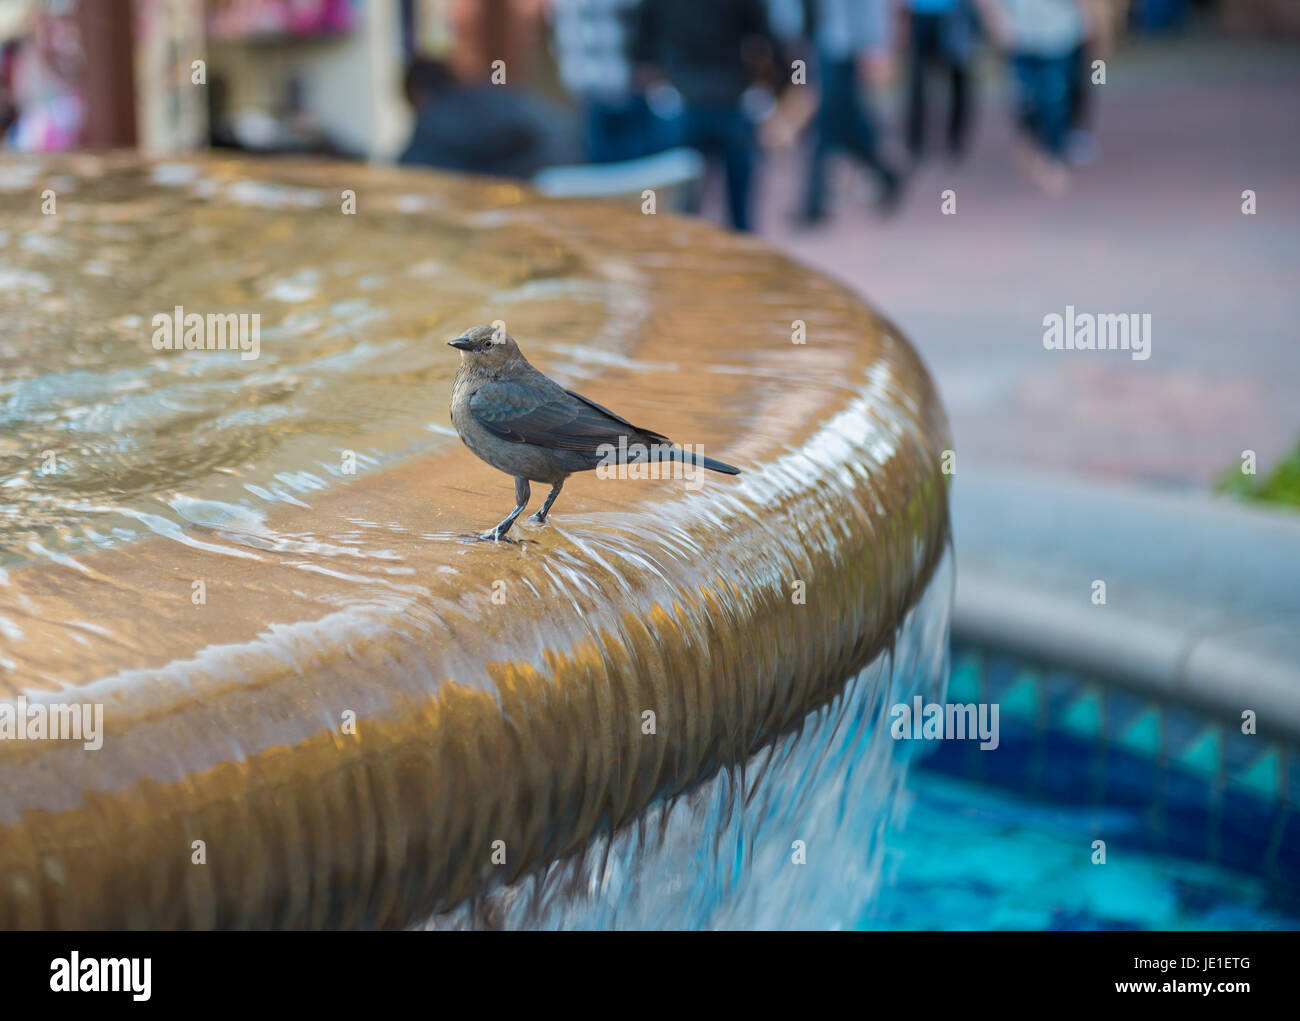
x=560, y=419
x=617, y=418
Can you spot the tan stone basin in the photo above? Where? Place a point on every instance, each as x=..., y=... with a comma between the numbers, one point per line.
x=499, y=691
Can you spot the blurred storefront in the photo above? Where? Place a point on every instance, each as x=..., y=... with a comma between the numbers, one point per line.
x=322, y=77
x=314, y=76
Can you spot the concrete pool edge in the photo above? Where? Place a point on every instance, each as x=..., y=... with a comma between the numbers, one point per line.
x=1206, y=624
x=473, y=728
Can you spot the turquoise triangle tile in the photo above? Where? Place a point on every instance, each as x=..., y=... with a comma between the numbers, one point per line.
x=1021, y=697
x=1083, y=717
x=1143, y=734
x=964, y=680
x=1262, y=775
x=1203, y=752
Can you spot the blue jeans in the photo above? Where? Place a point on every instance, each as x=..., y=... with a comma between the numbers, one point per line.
x=842, y=123
x=1043, y=85
x=947, y=39
x=623, y=130
x=725, y=135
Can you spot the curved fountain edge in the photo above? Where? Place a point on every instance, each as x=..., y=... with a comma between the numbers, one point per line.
x=460, y=745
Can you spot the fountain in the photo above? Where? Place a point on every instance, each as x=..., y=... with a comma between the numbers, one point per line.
x=322, y=706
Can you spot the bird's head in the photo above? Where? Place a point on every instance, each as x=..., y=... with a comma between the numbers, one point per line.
x=486, y=347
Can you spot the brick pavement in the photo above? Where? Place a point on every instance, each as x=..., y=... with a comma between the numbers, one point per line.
x=1155, y=225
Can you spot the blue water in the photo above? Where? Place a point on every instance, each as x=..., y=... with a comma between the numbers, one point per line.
x=791, y=840
x=1199, y=821
x=971, y=856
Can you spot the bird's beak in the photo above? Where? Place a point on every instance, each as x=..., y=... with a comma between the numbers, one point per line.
x=462, y=343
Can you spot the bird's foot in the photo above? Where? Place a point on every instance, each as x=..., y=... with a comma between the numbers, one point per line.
x=496, y=535
x=537, y=519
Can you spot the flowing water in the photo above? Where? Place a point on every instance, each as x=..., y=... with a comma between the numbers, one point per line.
x=795, y=839
x=103, y=438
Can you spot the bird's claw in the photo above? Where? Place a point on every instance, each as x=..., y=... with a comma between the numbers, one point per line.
x=496, y=535
x=537, y=519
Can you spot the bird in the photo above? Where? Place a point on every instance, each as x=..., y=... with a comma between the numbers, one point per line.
x=523, y=423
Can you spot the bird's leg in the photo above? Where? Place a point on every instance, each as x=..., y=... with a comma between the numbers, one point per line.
x=521, y=500
x=540, y=516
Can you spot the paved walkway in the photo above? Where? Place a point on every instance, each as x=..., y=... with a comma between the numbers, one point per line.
x=1155, y=225
x=1056, y=448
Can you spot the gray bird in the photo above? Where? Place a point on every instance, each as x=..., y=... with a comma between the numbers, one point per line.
x=528, y=426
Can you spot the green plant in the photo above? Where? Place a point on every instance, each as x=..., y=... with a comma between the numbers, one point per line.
x=1281, y=486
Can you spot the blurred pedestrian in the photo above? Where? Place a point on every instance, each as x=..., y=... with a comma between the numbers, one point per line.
x=591, y=40
x=1041, y=39
x=481, y=128
x=45, y=107
x=698, y=63
x=852, y=42
x=8, y=103
x=941, y=32
x=1081, y=144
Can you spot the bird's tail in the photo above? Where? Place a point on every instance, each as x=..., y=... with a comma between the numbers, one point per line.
x=689, y=457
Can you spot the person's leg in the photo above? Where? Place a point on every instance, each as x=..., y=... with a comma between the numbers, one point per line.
x=739, y=156
x=1080, y=146
x=957, y=47
x=1079, y=85
x=958, y=109
x=828, y=134
x=1043, y=87
x=687, y=129
x=814, y=205
x=857, y=131
x=1054, y=103
x=1024, y=71
x=598, y=133
x=919, y=46
x=858, y=135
